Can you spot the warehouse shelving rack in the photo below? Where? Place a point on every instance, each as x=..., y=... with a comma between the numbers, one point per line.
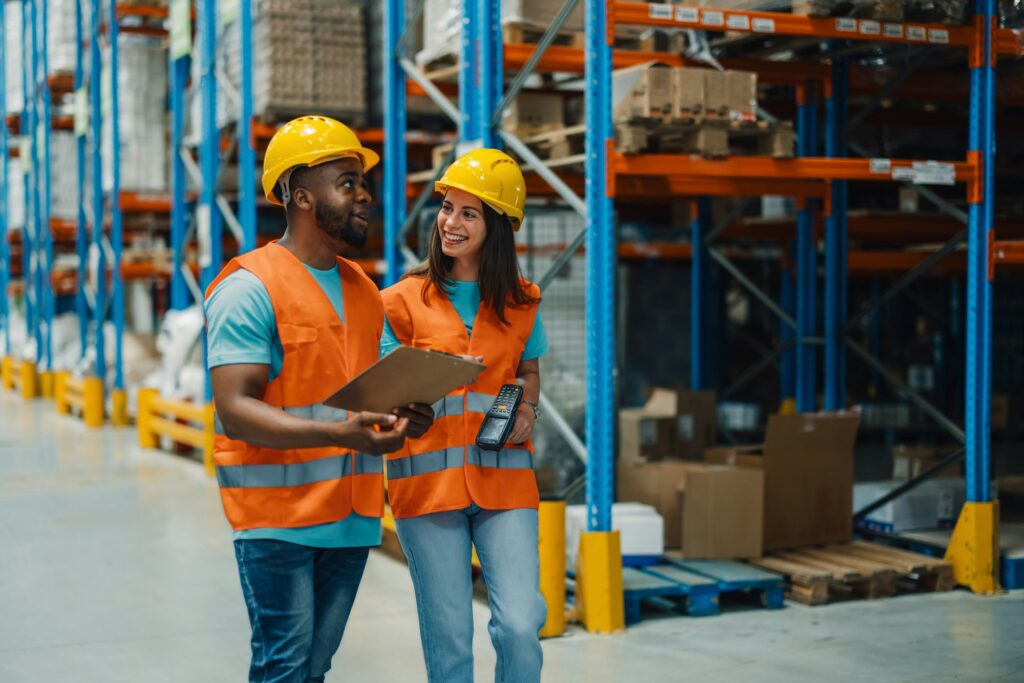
x=609, y=175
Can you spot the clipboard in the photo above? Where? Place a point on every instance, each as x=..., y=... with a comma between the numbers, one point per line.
x=404, y=376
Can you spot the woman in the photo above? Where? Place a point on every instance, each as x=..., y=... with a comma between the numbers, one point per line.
x=448, y=495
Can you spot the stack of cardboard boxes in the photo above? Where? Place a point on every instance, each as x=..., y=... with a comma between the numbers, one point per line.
x=793, y=490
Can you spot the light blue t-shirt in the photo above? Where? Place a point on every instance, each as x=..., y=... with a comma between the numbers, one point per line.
x=465, y=297
x=242, y=329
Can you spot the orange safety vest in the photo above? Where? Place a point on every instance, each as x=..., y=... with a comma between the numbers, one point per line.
x=269, y=488
x=444, y=469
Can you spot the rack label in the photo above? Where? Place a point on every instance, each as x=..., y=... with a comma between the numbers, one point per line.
x=902, y=173
x=893, y=30
x=882, y=166
x=180, y=18
x=916, y=33
x=934, y=173
x=764, y=25
x=688, y=14
x=740, y=22
x=870, y=28
x=656, y=11
x=81, y=112
x=847, y=25
x=709, y=18
x=938, y=35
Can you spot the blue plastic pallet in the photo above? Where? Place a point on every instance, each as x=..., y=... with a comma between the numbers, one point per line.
x=678, y=589
x=736, y=577
x=1011, y=571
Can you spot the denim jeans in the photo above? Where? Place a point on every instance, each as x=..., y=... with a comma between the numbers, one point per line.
x=299, y=599
x=439, y=550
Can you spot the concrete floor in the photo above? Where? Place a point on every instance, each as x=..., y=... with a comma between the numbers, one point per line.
x=118, y=567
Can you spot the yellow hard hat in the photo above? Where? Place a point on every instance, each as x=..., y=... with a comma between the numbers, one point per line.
x=492, y=176
x=309, y=141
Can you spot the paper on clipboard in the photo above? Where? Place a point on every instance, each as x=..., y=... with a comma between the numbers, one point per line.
x=404, y=376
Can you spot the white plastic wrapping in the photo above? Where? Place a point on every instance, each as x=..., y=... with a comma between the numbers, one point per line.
x=12, y=56
x=61, y=35
x=180, y=373
x=63, y=162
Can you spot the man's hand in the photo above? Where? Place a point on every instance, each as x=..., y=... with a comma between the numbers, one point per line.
x=360, y=433
x=523, y=428
x=420, y=417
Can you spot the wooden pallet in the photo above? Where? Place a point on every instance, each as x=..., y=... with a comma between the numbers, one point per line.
x=706, y=137
x=856, y=570
x=529, y=34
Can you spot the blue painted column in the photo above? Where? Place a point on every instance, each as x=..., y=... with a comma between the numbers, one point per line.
x=96, y=124
x=116, y=217
x=30, y=168
x=700, y=296
x=179, y=68
x=490, y=68
x=209, y=219
x=835, y=242
x=787, y=300
x=600, y=272
x=806, y=263
x=471, y=127
x=979, y=287
x=394, y=196
x=82, y=232
x=45, y=178
x=5, y=192
x=246, y=151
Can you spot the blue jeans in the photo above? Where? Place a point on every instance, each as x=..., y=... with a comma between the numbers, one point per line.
x=299, y=599
x=439, y=550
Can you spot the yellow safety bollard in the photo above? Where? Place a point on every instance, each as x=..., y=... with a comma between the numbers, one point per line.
x=551, y=548
x=7, y=372
x=60, y=392
x=599, y=597
x=92, y=395
x=143, y=417
x=209, y=418
x=29, y=380
x=119, y=408
x=974, y=548
x=46, y=384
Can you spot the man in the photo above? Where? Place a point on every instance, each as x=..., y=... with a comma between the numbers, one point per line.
x=301, y=483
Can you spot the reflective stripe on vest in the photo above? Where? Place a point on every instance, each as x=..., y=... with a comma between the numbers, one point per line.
x=435, y=461
x=453, y=405
x=297, y=474
x=317, y=412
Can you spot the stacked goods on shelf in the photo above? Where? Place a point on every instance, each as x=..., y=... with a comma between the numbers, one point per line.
x=15, y=196
x=442, y=24
x=63, y=158
x=12, y=54
x=308, y=56
x=657, y=108
x=61, y=36
x=142, y=93
x=882, y=10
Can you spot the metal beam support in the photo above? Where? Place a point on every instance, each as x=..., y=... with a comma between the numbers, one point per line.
x=432, y=91
x=911, y=484
x=836, y=239
x=839, y=64
x=700, y=295
x=749, y=285
x=81, y=236
x=5, y=193
x=787, y=338
x=549, y=176
x=98, y=255
x=489, y=68
x=246, y=150
x=117, y=218
x=208, y=217
x=46, y=253
x=979, y=287
x=600, y=271
x=179, y=69
x=30, y=127
x=470, y=128
x=806, y=262
x=394, y=196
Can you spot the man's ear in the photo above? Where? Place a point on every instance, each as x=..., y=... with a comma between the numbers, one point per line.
x=303, y=199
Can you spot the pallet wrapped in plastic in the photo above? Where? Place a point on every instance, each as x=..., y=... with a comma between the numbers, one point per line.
x=60, y=36
x=12, y=57
x=15, y=196
x=63, y=159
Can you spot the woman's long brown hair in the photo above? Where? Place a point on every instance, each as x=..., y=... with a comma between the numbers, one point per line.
x=500, y=278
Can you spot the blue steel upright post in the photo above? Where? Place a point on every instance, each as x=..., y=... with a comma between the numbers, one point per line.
x=600, y=586
x=835, y=241
x=81, y=232
x=806, y=262
x=5, y=197
x=974, y=548
x=119, y=401
x=394, y=197
x=46, y=253
x=489, y=67
x=28, y=167
x=700, y=296
x=208, y=216
x=470, y=125
x=96, y=124
x=179, y=65
x=246, y=151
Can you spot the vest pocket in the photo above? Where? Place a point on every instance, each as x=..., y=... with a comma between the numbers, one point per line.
x=294, y=337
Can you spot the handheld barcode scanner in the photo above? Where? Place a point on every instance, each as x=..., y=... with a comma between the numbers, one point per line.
x=500, y=419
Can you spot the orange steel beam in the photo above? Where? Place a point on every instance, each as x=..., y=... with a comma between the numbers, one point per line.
x=807, y=168
x=146, y=12
x=814, y=27
x=1007, y=253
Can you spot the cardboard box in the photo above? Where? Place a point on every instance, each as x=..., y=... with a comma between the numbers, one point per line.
x=807, y=462
x=687, y=93
x=716, y=94
x=742, y=95
x=643, y=91
x=644, y=435
x=695, y=414
x=911, y=461
x=722, y=512
x=933, y=504
x=672, y=424
x=534, y=112
x=655, y=484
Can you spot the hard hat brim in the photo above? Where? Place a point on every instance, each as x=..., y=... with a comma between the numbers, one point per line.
x=368, y=157
x=515, y=216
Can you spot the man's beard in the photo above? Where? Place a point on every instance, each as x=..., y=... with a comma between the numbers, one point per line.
x=338, y=226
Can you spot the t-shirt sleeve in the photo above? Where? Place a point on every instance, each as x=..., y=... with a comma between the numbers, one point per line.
x=240, y=322
x=388, y=341
x=537, y=344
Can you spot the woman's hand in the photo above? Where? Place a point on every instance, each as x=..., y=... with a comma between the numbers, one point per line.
x=523, y=428
x=420, y=417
